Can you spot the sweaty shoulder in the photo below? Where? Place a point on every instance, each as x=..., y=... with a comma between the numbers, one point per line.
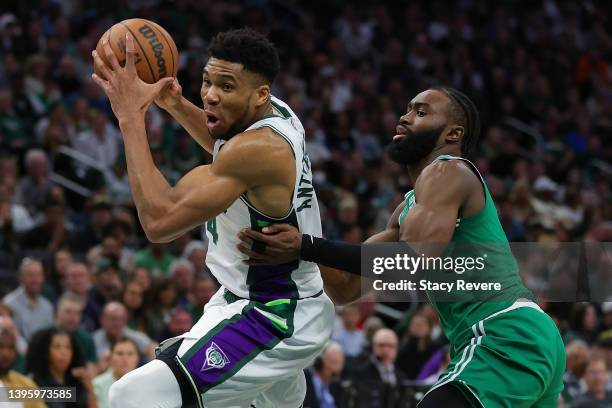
x=257, y=156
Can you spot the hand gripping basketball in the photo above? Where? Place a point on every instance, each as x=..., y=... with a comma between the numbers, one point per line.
x=130, y=96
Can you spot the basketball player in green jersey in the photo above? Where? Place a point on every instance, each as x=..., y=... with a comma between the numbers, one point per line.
x=505, y=353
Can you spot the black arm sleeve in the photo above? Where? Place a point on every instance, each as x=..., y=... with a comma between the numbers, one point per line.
x=338, y=255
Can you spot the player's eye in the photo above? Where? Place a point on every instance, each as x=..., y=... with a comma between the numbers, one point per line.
x=227, y=87
x=207, y=82
x=421, y=113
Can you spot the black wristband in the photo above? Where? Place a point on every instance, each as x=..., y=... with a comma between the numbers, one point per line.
x=338, y=255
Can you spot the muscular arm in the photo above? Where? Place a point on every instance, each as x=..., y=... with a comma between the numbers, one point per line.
x=440, y=192
x=167, y=212
x=193, y=120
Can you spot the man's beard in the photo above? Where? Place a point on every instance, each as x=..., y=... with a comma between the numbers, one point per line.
x=414, y=147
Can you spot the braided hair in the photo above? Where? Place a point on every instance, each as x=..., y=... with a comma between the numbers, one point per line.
x=464, y=113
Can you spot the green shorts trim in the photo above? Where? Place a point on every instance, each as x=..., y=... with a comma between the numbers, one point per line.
x=515, y=359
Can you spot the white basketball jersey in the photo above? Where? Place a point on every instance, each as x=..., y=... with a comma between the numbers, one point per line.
x=296, y=279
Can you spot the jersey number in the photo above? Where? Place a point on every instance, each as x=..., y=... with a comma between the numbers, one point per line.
x=211, y=226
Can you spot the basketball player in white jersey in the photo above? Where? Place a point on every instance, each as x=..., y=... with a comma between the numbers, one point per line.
x=266, y=323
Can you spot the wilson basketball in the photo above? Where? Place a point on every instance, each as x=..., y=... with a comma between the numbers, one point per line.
x=156, y=53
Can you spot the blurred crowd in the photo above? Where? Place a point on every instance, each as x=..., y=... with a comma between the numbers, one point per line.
x=87, y=298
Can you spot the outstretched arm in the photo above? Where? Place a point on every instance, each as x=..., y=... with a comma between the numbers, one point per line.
x=284, y=244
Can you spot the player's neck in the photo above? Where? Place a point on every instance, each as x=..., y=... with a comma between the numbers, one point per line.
x=415, y=170
x=263, y=111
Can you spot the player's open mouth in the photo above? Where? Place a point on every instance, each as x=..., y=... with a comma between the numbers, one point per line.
x=212, y=121
x=401, y=132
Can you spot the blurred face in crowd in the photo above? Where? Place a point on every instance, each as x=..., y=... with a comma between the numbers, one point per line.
x=183, y=277
x=419, y=129
x=576, y=355
x=419, y=327
x=333, y=364
x=231, y=96
x=69, y=315
x=198, y=259
x=63, y=259
x=350, y=317
x=180, y=322
x=32, y=278
x=77, y=278
x=596, y=377
x=124, y=358
x=133, y=296
x=100, y=217
x=203, y=290
x=37, y=166
x=111, y=247
x=109, y=282
x=384, y=346
x=143, y=276
x=8, y=351
x=167, y=296
x=60, y=353
x=114, y=320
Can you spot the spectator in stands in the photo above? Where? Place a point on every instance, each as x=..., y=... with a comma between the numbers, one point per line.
x=68, y=318
x=10, y=378
x=30, y=309
x=78, y=283
x=195, y=252
x=13, y=216
x=583, y=323
x=180, y=322
x=7, y=323
x=163, y=300
x=597, y=379
x=54, y=360
x=33, y=188
x=56, y=283
x=417, y=346
x=124, y=358
x=114, y=326
x=142, y=275
x=92, y=232
x=107, y=286
x=156, y=258
x=203, y=289
x=100, y=143
x=577, y=354
x=323, y=377
x=132, y=298
x=182, y=273
x=347, y=334
x=54, y=232
x=380, y=367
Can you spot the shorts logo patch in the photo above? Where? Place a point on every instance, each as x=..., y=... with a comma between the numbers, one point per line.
x=215, y=358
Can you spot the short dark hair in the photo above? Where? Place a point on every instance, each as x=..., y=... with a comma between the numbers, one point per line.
x=124, y=339
x=464, y=113
x=249, y=48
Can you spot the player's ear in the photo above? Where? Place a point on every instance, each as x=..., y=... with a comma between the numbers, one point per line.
x=454, y=134
x=262, y=94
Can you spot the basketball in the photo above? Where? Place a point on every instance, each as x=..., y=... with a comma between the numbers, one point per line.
x=156, y=53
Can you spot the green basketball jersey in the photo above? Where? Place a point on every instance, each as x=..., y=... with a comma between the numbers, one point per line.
x=480, y=235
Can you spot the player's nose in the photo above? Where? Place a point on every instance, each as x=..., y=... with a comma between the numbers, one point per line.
x=211, y=97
